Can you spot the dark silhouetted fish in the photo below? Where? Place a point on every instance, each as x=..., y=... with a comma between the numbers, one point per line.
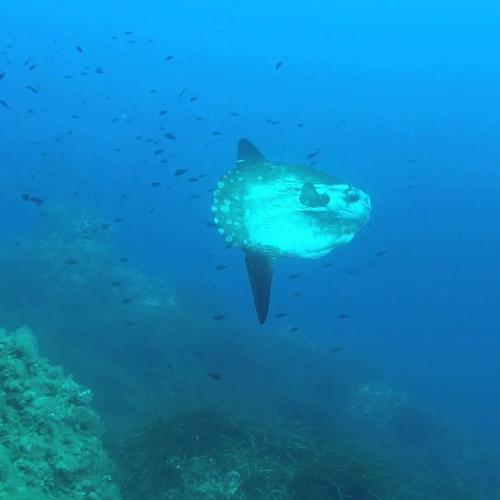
x=336, y=349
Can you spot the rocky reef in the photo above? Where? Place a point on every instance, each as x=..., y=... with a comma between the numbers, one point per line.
x=49, y=435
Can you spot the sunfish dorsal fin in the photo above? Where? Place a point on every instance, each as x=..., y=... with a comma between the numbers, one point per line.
x=311, y=198
x=248, y=154
x=260, y=271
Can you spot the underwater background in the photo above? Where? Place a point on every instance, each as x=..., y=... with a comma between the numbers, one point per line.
x=377, y=373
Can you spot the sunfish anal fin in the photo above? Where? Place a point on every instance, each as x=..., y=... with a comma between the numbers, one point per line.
x=260, y=271
x=248, y=154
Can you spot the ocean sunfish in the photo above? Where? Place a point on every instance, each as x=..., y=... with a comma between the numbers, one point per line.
x=272, y=210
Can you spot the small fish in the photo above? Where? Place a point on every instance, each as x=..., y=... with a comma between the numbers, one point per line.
x=216, y=132
x=180, y=171
x=32, y=67
x=169, y=135
x=159, y=151
x=342, y=316
x=220, y=267
x=280, y=315
x=294, y=329
x=336, y=349
x=218, y=317
x=2, y=75
x=130, y=323
x=115, y=284
x=192, y=99
x=312, y=155
x=293, y=276
x=4, y=104
x=118, y=220
x=382, y=252
x=163, y=112
x=36, y=200
x=278, y=65
x=70, y=262
x=215, y=375
x=124, y=259
x=155, y=184
x=126, y=301
x=25, y=197
x=79, y=49
x=169, y=58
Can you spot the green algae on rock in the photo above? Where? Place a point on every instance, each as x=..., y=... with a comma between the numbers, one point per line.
x=49, y=444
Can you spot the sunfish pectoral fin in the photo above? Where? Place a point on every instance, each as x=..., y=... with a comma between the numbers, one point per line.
x=248, y=154
x=311, y=198
x=260, y=271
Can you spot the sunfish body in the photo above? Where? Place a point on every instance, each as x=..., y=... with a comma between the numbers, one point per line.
x=271, y=210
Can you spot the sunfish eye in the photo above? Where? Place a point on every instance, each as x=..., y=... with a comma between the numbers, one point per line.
x=351, y=196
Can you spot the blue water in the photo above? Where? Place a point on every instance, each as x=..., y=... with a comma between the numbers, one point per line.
x=400, y=98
